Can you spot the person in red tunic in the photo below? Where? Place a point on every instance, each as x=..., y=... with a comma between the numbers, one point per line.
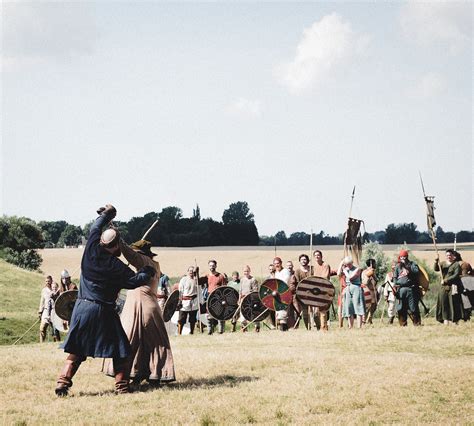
x=215, y=279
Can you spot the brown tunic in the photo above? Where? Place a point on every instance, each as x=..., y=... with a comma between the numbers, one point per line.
x=143, y=323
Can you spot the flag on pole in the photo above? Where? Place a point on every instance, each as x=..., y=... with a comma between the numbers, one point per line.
x=430, y=208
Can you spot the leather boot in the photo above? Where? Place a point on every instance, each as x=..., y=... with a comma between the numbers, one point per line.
x=221, y=327
x=390, y=321
x=122, y=375
x=234, y=326
x=210, y=329
x=402, y=320
x=416, y=320
x=191, y=327
x=122, y=383
x=67, y=373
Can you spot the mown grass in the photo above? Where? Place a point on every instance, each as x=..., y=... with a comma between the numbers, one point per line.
x=376, y=375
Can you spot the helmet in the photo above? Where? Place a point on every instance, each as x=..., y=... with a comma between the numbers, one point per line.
x=65, y=274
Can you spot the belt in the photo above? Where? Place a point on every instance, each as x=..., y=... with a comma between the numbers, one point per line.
x=98, y=302
x=189, y=297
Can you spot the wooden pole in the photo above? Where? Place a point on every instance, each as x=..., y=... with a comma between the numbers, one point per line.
x=198, y=296
x=150, y=229
x=25, y=333
x=310, y=313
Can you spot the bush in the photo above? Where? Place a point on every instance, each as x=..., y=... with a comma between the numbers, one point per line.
x=26, y=259
x=374, y=251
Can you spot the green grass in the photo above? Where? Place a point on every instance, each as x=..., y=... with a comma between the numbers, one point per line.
x=20, y=295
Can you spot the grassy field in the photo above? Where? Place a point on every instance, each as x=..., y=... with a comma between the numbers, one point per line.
x=383, y=374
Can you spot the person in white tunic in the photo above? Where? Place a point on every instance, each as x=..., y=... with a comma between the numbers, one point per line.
x=284, y=275
x=248, y=284
x=188, y=290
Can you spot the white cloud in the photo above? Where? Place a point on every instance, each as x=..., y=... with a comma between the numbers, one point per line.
x=34, y=33
x=327, y=44
x=243, y=107
x=446, y=22
x=428, y=86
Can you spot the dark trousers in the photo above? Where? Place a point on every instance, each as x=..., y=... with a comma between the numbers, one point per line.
x=184, y=315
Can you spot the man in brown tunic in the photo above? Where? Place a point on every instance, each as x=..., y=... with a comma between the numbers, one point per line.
x=215, y=279
x=303, y=271
x=151, y=357
x=323, y=270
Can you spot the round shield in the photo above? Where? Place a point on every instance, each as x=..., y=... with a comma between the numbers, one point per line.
x=58, y=323
x=252, y=308
x=367, y=295
x=65, y=304
x=315, y=291
x=170, y=306
x=468, y=282
x=275, y=294
x=423, y=279
x=222, y=303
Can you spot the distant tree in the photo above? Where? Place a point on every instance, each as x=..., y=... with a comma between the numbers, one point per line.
x=464, y=237
x=86, y=230
x=238, y=212
x=197, y=213
x=19, y=239
x=398, y=234
x=52, y=231
x=299, y=239
x=71, y=236
x=280, y=238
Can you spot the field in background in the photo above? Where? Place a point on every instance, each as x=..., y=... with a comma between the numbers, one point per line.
x=371, y=376
x=175, y=261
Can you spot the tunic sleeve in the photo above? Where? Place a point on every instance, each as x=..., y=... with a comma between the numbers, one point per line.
x=134, y=258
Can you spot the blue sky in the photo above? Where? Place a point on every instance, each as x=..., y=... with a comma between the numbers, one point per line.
x=284, y=105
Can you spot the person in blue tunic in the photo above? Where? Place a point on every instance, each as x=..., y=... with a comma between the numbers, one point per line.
x=95, y=328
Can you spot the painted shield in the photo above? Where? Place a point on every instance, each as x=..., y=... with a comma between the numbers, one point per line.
x=251, y=307
x=275, y=294
x=315, y=291
x=423, y=279
x=367, y=295
x=65, y=304
x=171, y=305
x=222, y=303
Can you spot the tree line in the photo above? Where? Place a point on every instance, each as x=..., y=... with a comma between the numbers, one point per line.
x=20, y=237
x=393, y=234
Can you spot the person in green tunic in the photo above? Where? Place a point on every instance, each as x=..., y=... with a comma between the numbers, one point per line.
x=449, y=307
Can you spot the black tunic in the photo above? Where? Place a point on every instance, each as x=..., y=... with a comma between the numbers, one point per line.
x=95, y=328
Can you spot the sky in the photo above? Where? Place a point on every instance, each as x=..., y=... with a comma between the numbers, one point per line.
x=284, y=105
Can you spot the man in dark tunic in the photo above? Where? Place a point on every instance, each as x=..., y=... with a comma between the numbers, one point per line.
x=95, y=328
x=405, y=278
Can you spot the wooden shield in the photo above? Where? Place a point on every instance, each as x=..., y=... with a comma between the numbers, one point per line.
x=315, y=291
x=367, y=295
x=468, y=282
x=170, y=306
x=65, y=304
x=275, y=294
x=222, y=303
x=251, y=307
x=423, y=279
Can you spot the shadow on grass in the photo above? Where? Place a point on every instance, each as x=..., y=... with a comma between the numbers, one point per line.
x=222, y=380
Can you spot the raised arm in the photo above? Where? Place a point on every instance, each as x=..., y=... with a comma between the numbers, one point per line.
x=136, y=259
